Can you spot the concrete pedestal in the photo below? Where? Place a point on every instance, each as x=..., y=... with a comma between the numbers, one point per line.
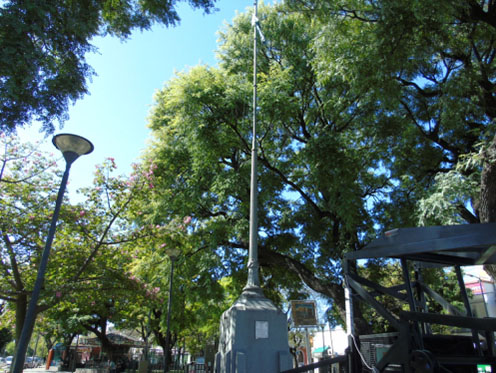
x=253, y=336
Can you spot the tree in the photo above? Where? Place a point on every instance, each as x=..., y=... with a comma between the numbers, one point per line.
x=434, y=63
x=42, y=65
x=5, y=337
x=315, y=180
x=435, y=67
x=358, y=114
x=86, y=256
x=27, y=184
x=197, y=297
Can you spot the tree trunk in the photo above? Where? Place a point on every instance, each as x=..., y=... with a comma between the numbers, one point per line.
x=21, y=309
x=487, y=206
x=100, y=329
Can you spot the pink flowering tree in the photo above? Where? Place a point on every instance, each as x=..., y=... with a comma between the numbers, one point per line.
x=28, y=186
x=92, y=241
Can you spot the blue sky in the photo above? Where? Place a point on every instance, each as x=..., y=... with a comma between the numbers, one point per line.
x=114, y=115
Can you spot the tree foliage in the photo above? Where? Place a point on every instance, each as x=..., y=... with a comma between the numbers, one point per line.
x=432, y=64
x=44, y=44
x=88, y=255
x=368, y=112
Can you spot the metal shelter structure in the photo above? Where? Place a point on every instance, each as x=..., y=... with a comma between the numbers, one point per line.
x=413, y=347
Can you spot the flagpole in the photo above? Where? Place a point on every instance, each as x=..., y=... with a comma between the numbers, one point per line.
x=253, y=266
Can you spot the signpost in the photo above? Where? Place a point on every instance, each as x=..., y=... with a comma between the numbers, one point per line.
x=304, y=315
x=303, y=312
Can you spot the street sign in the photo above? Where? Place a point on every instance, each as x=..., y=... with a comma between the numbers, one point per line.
x=303, y=312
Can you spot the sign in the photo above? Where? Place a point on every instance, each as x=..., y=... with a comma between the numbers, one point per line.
x=261, y=329
x=303, y=312
x=476, y=288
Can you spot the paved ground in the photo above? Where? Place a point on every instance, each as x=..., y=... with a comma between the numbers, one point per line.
x=6, y=369
x=43, y=370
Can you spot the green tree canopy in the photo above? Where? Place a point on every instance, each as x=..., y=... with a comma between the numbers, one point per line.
x=433, y=65
x=317, y=181
x=44, y=44
x=87, y=256
x=361, y=108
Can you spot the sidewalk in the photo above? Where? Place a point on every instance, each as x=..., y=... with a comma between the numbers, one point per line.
x=43, y=370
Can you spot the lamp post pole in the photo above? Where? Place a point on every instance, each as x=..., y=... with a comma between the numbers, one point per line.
x=324, y=351
x=72, y=147
x=173, y=256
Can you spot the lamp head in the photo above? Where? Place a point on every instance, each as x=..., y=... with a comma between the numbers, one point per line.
x=173, y=252
x=72, y=146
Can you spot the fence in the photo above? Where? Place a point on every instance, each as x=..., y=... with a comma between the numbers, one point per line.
x=173, y=368
x=331, y=365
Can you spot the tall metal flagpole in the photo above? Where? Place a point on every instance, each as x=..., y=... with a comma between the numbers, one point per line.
x=253, y=278
x=253, y=331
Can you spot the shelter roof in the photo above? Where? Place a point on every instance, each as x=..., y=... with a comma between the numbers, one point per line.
x=469, y=244
x=117, y=339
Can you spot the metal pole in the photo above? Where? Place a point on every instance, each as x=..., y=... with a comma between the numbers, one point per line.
x=169, y=307
x=332, y=344
x=411, y=300
x=466, y=302
x=77, y=354
x=483, y=297
x=307, y=347
x=324, y=351
x=253, y=278
x=27, y=329
x=481, y=285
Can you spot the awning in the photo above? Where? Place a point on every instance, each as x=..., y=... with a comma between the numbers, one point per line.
x=319, y=350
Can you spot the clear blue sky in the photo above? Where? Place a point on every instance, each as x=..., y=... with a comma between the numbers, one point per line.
x=114, y=114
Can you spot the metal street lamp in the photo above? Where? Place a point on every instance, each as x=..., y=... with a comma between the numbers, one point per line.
x=71, y=146
x=173, y=253
x=324, y=350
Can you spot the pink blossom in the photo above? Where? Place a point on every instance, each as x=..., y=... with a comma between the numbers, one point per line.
x=163, y=245
x=58, y=294
x=187, y=220
x=82, y=213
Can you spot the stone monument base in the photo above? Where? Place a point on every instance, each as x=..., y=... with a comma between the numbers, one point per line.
x=253, y=336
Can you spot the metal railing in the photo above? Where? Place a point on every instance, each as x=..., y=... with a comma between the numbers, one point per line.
x=324, y=365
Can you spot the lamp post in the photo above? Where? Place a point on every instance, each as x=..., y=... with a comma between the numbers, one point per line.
x=173, y=254
x=71, y=146
x=324, y=351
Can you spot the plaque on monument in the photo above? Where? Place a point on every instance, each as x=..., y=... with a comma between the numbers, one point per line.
x=261, y=329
